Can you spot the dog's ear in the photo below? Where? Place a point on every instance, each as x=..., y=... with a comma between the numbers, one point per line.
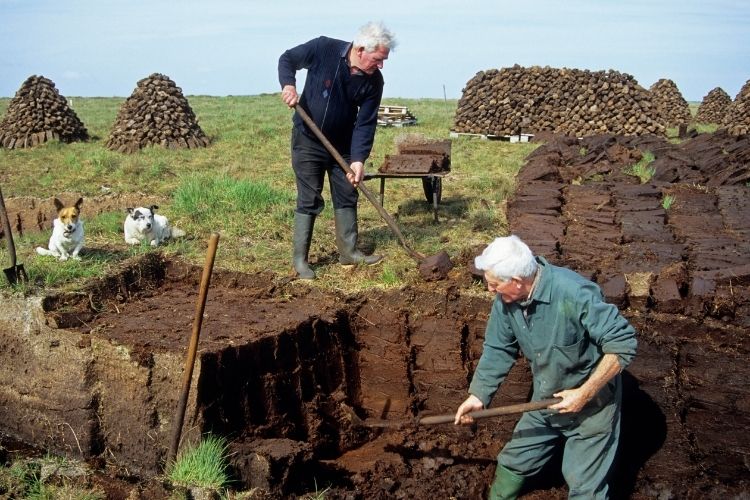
x=153, y=208
x=59, y=205
x=78, y=204
x=129, y=210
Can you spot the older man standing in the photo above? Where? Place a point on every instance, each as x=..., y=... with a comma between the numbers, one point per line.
x=576, y=344
x=342, y=95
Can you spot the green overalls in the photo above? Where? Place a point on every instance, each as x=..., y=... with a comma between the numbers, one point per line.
x=564, y=331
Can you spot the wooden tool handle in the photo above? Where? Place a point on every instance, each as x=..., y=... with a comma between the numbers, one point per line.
x=342, y=163
x=492, y=412
x=7, y=232
x=187, y=374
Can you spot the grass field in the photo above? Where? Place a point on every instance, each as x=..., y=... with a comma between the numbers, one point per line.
x=242, y=186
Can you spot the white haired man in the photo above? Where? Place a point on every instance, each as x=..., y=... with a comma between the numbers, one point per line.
x=342, y=95
x=576, y=344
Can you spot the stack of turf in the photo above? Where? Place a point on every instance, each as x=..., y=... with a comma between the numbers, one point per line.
x=156, y=114
x=714, y=107
x=737, y=119
x=671, y=109
x=38, y=113
x=570, y=101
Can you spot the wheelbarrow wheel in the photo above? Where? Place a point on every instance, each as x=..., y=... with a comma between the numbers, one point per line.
x=427, y=185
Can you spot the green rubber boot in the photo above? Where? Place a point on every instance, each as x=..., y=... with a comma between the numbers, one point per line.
x=346, y=239
x=303, y=231
x=506, y=484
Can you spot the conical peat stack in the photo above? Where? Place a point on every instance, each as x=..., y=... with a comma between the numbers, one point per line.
x=714, y=107
x=737, y=119
x=569, y=101
x=38, y=113
x=156, y=114
x=670, y=108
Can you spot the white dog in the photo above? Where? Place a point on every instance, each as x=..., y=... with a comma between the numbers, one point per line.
x=143, y=224
x=67, y=232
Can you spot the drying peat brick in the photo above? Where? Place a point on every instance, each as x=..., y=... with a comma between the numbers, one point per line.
x=37, y=114
x=670, y=107
x=689, y=257
x=269, y=464
x=714, y=107
x=411, y=164
x=441, y=148
x=737, y=119
x=156, y=114
x=419, y=157
x=566, y=101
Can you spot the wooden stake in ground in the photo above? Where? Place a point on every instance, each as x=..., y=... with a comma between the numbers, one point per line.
x=192, y=348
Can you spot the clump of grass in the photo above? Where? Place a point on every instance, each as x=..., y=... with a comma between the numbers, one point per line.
x=667, y=201
x=23, y=479
x=643, y=169
x=203, y=466
x=389, y=276
x=318, y=494
x=15, y=480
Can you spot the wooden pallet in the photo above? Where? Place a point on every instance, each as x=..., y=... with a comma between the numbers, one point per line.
x=395, y=116
x=491, y=137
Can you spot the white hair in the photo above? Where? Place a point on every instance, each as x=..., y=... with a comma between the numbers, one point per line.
x=506, y=258
x=373, y=35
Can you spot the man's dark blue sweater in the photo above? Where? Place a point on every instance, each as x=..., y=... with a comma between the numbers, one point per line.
x=342, y=105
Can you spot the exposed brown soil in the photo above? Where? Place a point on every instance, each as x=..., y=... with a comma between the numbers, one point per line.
x=97, y=373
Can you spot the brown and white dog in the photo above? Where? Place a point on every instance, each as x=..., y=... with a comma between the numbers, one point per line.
x=67, y=232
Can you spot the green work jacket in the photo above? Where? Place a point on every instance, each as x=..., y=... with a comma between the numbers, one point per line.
x=567, y=329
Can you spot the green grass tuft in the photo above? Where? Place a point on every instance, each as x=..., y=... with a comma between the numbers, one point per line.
x=643, y=169
x=668, y=201
x=203, y=466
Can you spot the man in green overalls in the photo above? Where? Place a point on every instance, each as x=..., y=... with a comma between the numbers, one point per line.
x=576, y=344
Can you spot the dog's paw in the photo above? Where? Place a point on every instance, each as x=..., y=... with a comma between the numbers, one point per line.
x=63, y=258
x=76, y=257
x=154, y=243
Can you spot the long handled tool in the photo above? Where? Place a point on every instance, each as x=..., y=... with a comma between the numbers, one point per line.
x=193, y=347
x=15, y=273
x=439, y=261
x=450, y=417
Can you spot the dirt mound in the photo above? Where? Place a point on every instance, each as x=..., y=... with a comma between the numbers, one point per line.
x=38, y=113
x=670, y=108
x=737, y=119
x=714, y=107
x=567, y=101
x=156, y=114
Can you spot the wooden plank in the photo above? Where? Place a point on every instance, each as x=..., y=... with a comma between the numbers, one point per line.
x=491, y=137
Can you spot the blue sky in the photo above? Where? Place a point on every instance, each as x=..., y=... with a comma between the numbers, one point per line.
x=231, y=47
